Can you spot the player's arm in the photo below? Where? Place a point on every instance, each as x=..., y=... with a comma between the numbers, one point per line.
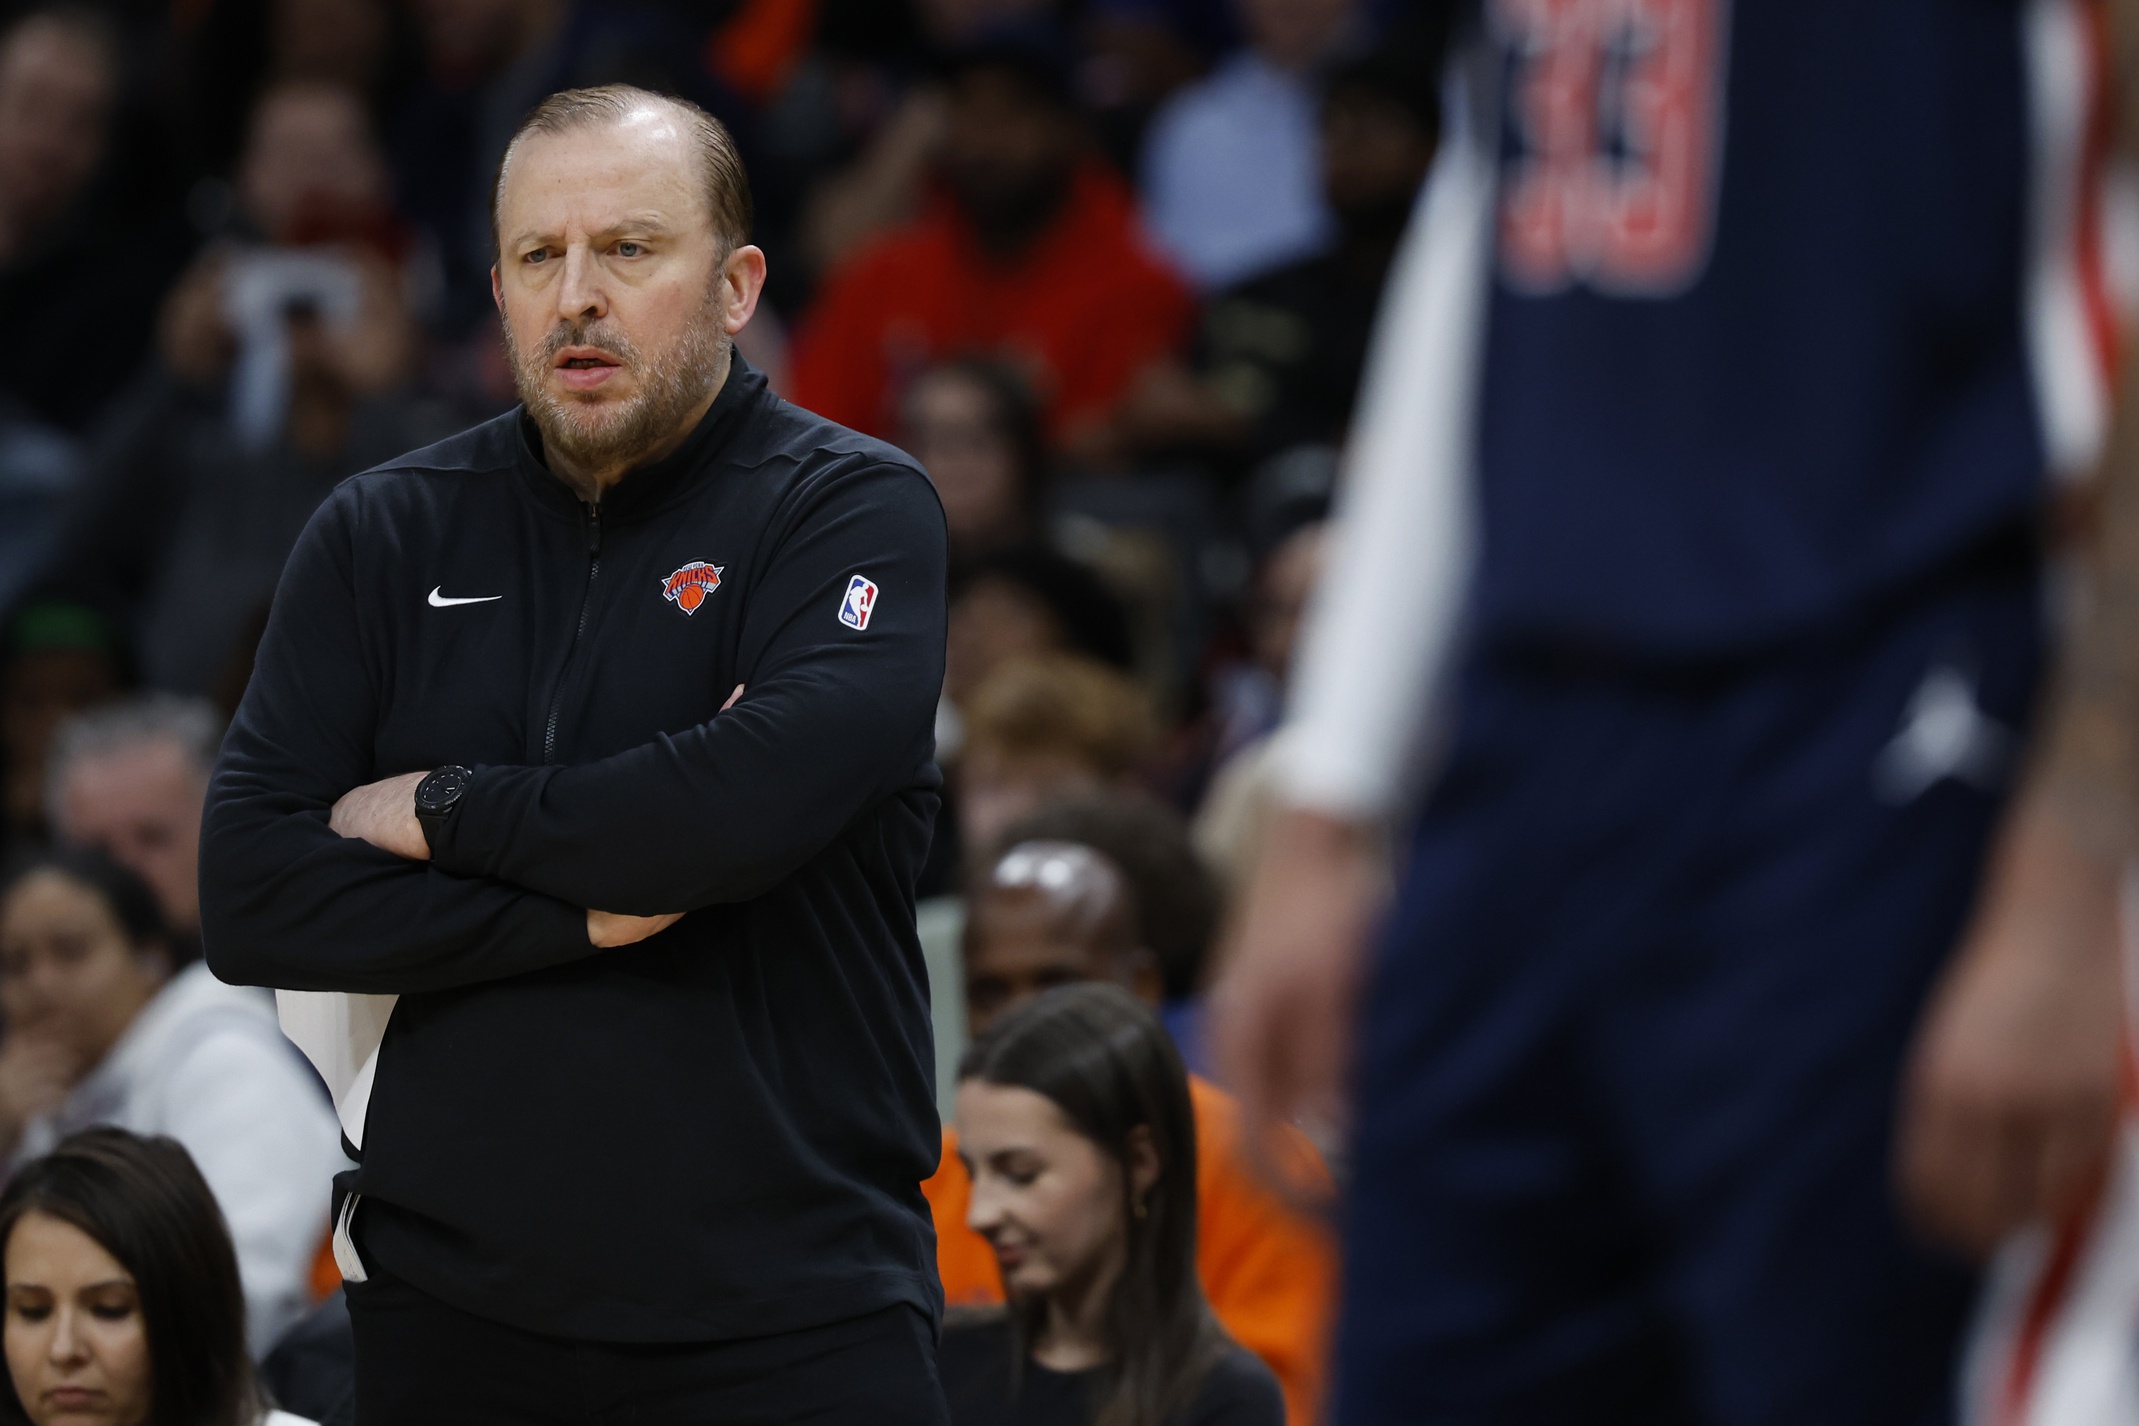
x=285, y=900
x=1380, y=637
x=2011, y=1098
x=833, y=719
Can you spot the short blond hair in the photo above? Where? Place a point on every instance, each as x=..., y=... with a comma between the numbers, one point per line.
x=1063, y=704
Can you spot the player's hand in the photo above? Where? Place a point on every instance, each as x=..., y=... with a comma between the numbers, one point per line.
x=2010, y=1104
x=384, y=814
x=37, y=1072
x=1282, y=1007
x=609, y=929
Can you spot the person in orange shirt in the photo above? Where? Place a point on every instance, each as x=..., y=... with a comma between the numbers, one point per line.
x=1055, y=913
x=1028, y=249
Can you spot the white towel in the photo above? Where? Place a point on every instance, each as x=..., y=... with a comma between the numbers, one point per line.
x=340, y=1034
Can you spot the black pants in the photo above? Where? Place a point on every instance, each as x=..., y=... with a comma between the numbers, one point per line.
x=419, y=1362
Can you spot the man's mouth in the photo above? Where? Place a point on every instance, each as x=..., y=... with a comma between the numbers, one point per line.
x=585, y=368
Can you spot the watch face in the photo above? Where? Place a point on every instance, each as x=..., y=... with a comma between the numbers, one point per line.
x=441, y=789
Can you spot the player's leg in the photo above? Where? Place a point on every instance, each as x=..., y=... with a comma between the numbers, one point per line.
x=1497, y=1265
x=1755, y=1064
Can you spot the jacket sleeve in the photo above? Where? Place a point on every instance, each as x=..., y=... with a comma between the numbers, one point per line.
x=833, y=719
x=286, y=901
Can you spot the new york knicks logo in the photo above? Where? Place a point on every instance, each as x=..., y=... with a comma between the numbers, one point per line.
x=688, y=587
x=854, y=610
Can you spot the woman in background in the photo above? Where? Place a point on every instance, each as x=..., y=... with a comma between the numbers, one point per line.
x=1075, y=1122
x=122, y=1304
x=99, y=1031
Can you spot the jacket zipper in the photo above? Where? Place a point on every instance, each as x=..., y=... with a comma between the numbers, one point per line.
x=586, y=601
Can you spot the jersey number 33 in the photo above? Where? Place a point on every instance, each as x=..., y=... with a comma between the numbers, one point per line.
x=1615, y=107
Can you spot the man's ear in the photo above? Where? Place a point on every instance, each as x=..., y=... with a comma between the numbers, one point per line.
x=497, y=290
x=742, y=282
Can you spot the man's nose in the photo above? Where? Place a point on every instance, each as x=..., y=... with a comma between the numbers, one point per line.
x=580, y=296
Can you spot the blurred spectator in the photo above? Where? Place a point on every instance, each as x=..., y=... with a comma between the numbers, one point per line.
x=40, y=469
x=100, y=1032
x=62, y=659
x=1284, y=351
x=311, y=170
x=1091, y=1199
x=1031, y=251
x=1042, y=728
x=130, y=779
x=1138, y=54
x=885, y=185
x=1022, y=601
x=77, y=288
x=1231, y=177
x=284, y=370
x=336, y=42
x=1242, y=795
x=122, y=1287
x=973, y=427
x=1252, y=695
x=241, y=46
x=1177, y=898
x=1051, y=913
x=1277, y=358
x=1029, y=601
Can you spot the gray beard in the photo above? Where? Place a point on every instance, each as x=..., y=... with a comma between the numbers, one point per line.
x=605, y=435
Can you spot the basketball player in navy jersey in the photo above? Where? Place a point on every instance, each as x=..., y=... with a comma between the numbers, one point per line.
x=1693, y=542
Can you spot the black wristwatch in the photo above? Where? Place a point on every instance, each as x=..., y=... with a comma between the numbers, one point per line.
x=436, y=797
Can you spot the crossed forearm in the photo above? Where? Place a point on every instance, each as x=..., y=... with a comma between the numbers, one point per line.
x=383, y=813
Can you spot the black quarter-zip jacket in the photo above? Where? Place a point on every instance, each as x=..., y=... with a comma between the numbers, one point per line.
x=721, y=1131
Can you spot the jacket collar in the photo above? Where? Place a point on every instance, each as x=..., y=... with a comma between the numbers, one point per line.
x=649, y=487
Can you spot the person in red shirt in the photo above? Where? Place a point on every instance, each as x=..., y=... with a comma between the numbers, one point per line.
x=1055, y=913
x=1028, y=249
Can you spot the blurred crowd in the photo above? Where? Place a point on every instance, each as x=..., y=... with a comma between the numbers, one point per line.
x=1107, y=268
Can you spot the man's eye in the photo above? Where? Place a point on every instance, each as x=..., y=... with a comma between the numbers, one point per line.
x=538, y=255
x=628, y=249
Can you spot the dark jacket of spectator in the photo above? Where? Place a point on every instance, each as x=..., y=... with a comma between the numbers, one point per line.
x=183, y=531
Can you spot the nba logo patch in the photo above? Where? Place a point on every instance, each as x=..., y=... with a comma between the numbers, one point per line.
x=688, y=587
x=854, y=610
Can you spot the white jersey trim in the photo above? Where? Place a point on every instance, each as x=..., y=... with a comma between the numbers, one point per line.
x=1383, y=625
x=2071, y=310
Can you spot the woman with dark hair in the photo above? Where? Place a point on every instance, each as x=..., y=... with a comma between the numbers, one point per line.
x=973, y=425
x=122, y=1298
x=99, y=1031
x=1075, y=1122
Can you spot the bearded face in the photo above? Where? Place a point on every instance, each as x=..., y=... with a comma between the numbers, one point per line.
x=619, y=421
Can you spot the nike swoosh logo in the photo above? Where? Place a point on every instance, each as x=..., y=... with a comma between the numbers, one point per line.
x=438, y=601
